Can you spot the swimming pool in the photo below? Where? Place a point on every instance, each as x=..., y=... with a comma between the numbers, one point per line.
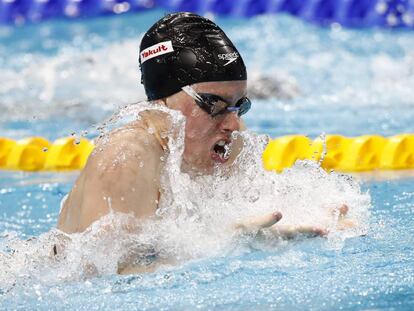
x=63, y=78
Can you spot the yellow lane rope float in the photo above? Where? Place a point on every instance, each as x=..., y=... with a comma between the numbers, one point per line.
x=346, y=154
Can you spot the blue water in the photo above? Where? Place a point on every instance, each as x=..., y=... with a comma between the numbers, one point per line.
x=350, y=82
x=375, y=271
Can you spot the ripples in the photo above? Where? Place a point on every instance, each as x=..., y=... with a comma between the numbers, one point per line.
x=345, y=81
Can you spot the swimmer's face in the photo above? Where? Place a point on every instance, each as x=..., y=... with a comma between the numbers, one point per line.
x=208, y=140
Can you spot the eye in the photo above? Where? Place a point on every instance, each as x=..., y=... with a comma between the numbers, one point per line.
x=218, y=107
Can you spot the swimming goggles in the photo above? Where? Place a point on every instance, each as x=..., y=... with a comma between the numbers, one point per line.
x=215, y=105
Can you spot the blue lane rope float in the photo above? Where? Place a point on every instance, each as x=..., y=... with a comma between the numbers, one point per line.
x=340, y=153
x=349, y=13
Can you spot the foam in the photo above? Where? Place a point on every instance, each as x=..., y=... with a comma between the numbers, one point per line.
x=195, y=215
x=71, y=81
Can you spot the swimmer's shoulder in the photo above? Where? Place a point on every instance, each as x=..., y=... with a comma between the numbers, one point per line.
x=141, y=140
x=130, y=157
x=151, y=129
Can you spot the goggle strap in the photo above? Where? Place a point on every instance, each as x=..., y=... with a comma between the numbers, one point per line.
x=190, y=91
x=233, y=108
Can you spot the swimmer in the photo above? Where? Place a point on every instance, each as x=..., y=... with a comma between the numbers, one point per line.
x=188, y=64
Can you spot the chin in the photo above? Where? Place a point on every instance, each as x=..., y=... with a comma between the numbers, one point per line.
x=205, y=166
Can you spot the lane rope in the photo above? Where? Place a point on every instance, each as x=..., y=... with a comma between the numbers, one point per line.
x=348, y=13
x=334, y=152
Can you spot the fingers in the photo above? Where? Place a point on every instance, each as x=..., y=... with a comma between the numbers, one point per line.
x=266, y=220
x=314, y=231
x=259, y=222
x=290, y=232
x=341, y=211
x=344, y=224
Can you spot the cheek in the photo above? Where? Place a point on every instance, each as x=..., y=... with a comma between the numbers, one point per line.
x=196, y=134
x=199, y=128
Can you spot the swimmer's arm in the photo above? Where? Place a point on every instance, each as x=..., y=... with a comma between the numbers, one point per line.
x=120, y=176
x=254, y=224
x=290, y=231
x=269, y=222
x=128, y=178
x=127, y=268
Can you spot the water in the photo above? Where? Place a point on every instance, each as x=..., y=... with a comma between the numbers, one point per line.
x=68, y=77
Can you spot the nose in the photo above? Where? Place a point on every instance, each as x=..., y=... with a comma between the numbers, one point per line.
x=230, y=122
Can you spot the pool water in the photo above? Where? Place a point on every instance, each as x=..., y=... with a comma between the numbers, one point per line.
x=67, y=77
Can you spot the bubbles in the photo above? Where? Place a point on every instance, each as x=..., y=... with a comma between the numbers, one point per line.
x=195, y=215
x=54, y=256
x=197, y=212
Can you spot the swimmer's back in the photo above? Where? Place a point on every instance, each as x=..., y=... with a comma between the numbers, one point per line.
x=121, y=175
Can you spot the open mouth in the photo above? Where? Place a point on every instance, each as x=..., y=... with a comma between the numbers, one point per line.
x=221, y=151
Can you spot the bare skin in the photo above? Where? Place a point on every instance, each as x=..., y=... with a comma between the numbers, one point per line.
x=123, y=173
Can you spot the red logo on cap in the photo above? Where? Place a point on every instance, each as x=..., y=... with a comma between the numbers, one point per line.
x=156, y=50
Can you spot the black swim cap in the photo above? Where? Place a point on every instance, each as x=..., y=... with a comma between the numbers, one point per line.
x=185, y=48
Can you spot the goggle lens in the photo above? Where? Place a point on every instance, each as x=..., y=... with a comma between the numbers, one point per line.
x=215, y=105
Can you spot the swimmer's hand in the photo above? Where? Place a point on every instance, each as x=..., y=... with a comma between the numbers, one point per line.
x=269, y=222
x=343, y=222
x=253, y=225
x=291, y=232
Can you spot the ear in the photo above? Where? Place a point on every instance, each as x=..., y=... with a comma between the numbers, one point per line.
x=176, y=101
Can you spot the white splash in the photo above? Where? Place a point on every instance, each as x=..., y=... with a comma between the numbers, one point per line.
x=195, y=215
x=71, y=81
